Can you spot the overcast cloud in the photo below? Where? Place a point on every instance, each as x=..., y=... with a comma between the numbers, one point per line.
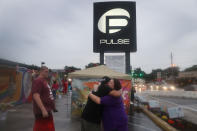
x=60, y=32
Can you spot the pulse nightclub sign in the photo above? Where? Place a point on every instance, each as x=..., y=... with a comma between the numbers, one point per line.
x=114, y=27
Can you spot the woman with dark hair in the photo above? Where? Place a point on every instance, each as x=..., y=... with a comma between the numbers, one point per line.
x=91, y=115
x=114, y=117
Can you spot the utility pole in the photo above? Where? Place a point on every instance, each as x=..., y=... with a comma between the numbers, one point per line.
x=171, y=56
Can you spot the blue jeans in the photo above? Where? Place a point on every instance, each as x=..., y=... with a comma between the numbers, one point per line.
x=54, y=93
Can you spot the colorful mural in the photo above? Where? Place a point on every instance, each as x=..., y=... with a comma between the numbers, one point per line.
x=26, y=85
x=81, y=88
x=8, y=85
x=15, y=86
x=126, y=93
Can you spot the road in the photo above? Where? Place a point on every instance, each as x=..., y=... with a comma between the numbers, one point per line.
x=189, y=105
x=183, y=102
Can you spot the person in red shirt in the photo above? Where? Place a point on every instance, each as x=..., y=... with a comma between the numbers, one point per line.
x=55, y=87
x=43, y=102
x=65, y=86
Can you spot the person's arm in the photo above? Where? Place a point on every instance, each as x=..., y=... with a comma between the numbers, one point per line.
x=106, y=100
x=95, y=98
x=36, y=97
x=115, y=93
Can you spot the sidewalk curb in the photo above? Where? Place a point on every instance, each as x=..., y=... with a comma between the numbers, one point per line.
x=162, y=124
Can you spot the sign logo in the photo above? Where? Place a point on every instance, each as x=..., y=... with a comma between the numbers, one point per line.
x=113, y=20
x=114, y=27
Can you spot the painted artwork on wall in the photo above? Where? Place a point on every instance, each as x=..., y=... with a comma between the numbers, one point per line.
x=8, y=85
x=15, y=85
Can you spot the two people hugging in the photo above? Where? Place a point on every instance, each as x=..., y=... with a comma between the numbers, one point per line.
x=105, y=108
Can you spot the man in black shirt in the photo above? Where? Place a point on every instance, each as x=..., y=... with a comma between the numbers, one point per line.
x=91, y=115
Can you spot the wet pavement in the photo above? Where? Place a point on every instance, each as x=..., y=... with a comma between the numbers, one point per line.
x=21, y=118
x=140, y=122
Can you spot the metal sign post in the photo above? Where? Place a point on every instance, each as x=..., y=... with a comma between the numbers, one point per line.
x=102, y=58
x=127, y=62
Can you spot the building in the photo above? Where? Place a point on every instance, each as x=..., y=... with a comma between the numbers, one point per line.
x=189, y=74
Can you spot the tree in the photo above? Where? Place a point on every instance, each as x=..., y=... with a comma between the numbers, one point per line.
x=193, y=68
x=33, y=67
x=69, y=69
x=153, y=75
x=92, y=65
x=138, y=73
x=172, y=71
x=168, y=72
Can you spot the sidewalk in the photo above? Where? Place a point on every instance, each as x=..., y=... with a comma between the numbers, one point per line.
x=62, y=118
x=140, y=122
x=21, y=119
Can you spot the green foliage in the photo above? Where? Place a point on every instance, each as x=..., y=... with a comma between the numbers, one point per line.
x=193, y=68
x=153, y=75
x=69, y=69
x=172, y=71
x=92, y=65
x=138, y=73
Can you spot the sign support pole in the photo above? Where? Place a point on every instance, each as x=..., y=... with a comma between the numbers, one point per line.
x=102, y=57
x=127, y=62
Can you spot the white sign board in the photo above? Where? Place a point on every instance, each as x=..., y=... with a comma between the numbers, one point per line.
x=116, y=62
x=175, y=112
x=153, y=104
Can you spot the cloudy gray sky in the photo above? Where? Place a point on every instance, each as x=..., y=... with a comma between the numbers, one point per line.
x=60, y=32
